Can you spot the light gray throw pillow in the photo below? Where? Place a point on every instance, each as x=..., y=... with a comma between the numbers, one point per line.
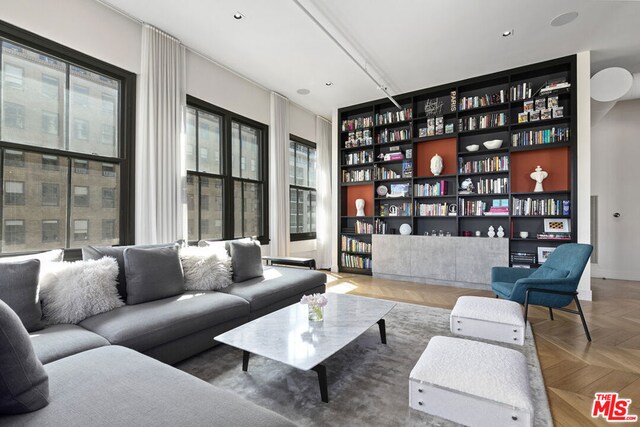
x=246, y=259
x=24, y=384
x=152, y=274
x=205, y=268
x=19, y=289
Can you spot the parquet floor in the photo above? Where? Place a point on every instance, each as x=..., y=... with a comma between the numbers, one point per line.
x=573, y=369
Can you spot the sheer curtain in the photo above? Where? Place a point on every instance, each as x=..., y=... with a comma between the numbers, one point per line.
x=279, y=176
x=160, y=189
x=323, y=186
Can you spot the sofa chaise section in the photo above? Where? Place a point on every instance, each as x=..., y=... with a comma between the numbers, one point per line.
x=174, y=328
x=57, y=341
x=116, y=386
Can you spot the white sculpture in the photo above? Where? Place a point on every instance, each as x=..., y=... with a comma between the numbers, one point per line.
x=538, y=176
x=360, y=207
x=405, y=229
x=492, y=232
x=500, y=231
x=436, y=165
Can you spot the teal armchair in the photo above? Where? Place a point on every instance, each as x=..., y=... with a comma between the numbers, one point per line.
x=553, y=285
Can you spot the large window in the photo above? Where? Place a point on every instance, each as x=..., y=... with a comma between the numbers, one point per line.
x=226, y=174
x=64, y=135
x=302, y=189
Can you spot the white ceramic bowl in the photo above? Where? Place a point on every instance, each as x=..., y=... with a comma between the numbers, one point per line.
x=474, y=147
x=524, y=234
x=493, y=144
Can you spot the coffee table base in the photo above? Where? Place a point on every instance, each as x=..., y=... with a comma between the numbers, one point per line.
x=320, y=369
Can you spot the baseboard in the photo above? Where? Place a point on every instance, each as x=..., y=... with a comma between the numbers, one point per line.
x=585, y=294
x=616, y=274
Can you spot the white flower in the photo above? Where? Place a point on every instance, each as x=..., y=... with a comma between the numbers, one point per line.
x=315, y=300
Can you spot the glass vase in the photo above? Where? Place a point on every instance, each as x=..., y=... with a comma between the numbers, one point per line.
x=316, y=314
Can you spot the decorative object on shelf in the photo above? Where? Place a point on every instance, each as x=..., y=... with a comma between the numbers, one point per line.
x=422, y=132
x=523, y=117
x=453, y=209
x=472, y=147
x=408, y=153
x=433, y=107
x=405, y=229
x=315, y=304
x=524, y=234
x=382, y=190
x=543, y=253
x=399, y=190
x=466, y=233
x=500, y=231
x=492, y=231
x=538, y=176
x=557, y=225
x=466, y=187
x=393, y=210
x=454, y=100
x=558, y=112
x=493, y=144
x=436, y=165
x=381, y=156
x=449, y=128
x=360, y=207
x=478, y=233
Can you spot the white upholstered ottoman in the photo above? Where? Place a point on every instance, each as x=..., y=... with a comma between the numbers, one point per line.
x=472, y=383
x=488, y=318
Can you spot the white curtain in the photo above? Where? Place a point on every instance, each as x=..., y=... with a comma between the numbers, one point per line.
x=323, y=186
x=160, y=188
x=279, y=176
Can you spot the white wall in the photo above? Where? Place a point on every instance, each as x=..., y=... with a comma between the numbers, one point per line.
x=615, y=152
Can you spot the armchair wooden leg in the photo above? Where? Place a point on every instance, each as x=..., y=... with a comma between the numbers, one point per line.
x=584, y=322
x=550, y=313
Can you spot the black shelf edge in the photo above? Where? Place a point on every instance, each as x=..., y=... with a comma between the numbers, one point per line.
x=425, y=118
x=390, y=162
x=442, y=196
x=528, y=239
x=397, y=216
x=420, y=139
x=484, y=216
x=353, y=216
x=358, y=148
x=364, y=254
x=540, y=216
x=355, y=234
x=364, y=165
x=390, y=143
x=540, y=146
x=393, y=198
x=353, y=270
x=356, y=130
x=435, y=216
x=501, y=195
x=348, y=184
x=484, y=173
x=386, y=125
x=436, y=177
x=492, y=107
x=540, y=123
x=483, y=152
x=495, y=129
x=540, y=193
x=392, y=179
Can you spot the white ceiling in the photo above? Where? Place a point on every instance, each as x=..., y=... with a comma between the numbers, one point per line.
x=410, y=44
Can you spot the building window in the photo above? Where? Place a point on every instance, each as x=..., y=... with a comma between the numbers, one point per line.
x=81, y=229
x=49, y=163
x=13, y=76
x=81, y=196
x=224, y=203
x=14, y=193
x=50, y=230
x=14, y=232
x=302, y=189
x=13, y=115
x=50, y=194
x=108, y=229
x=108, y=197
x=52, y=119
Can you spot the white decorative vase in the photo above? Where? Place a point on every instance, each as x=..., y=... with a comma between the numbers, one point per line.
x=436, y=165
x=405, y=229
x=500, y=231
x=492, y=232
x=538, y=176
x=360, y=207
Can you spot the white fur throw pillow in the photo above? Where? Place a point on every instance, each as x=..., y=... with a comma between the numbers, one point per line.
x=72, y=291
x=205, y=268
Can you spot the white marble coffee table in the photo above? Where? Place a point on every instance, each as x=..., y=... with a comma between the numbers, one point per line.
x=289, y=337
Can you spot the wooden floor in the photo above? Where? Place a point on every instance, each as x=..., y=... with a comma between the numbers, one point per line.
x=573, y=369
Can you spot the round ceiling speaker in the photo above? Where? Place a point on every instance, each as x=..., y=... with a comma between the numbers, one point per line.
x=610, y=84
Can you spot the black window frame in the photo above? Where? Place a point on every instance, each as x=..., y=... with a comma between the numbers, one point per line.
x=296, y=237
x=126, y=108
x=226, y=175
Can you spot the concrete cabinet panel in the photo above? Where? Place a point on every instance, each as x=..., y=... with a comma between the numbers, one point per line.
x=390, y=254
x=476, y=256
x=433, y=258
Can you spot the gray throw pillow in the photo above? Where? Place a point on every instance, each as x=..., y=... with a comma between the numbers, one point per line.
x=24, y=384
x=152, y=274
x=19, y=289
x=246, y=259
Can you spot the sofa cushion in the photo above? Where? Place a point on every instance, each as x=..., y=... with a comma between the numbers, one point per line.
x=205, y=268
x=24, y=385
x=144, y=326
x=117, y=252
x=57, y=341
x=152, y=274
x=73, y=291
x=277, y=283
x=19, y=289
x=246, y=259
x=55, y=255
x=115, y=386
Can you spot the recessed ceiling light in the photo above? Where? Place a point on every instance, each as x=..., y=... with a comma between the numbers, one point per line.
x=564, y=19
x=238, y=15
x=303, y=91
x=507, y=33
x=328, y=84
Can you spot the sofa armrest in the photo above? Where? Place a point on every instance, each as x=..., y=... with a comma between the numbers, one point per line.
x=509, y=274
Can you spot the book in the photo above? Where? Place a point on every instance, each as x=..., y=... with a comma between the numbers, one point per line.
x=552, y=101
x=534, y=116
x=431, y=127
x=422, y=132
x=407, y=169
x=449, y=128
x=545, y=114
x=528, y=105
x=558, y=112
x=439, y=125
x=523, y=117
x=540, y=103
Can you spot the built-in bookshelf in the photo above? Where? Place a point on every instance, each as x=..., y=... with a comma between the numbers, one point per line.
x=385, y=159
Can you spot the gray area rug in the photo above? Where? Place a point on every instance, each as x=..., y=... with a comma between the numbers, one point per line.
x=368, y=381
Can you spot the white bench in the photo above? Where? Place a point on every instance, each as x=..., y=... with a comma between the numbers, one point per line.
x=488, y=318
x=472, y=383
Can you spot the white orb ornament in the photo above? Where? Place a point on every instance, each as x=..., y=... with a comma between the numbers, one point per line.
x=360, y=207
x=500, y=231
x=436, y=165
x=538, y=176
x=405, y=229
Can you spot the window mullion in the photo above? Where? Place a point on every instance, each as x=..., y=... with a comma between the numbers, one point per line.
x=68, y=212
x=67, y=99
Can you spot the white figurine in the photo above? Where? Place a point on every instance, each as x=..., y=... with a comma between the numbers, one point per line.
x=436, y=165
x=538, y=176
x=500, y=231
x=360, y=207
x=492, y=232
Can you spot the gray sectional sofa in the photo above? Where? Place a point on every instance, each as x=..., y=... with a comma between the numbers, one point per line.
x=98, y=375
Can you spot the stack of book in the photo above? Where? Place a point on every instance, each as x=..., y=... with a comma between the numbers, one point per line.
x=523, y=259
